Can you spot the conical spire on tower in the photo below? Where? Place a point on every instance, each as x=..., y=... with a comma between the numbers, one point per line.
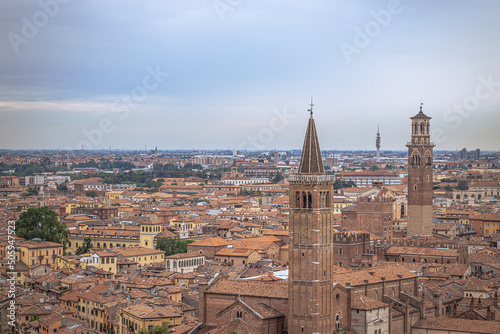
x=311, y=161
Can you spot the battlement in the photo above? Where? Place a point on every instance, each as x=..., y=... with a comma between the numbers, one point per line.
x=367, y=199
x=349, y=237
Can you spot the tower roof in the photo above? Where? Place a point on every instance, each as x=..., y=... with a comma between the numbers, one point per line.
x=311, y=161
x=420, y=114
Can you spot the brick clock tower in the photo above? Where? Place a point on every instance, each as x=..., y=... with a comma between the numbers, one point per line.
x=311, y=243
x=420, y=192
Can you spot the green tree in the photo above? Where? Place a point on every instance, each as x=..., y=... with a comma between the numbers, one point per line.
x=374, y=168
x=462, y=185
x=91, y=193
x=62, y=187
x=340, y=183
x=30, y=192
x=85, y=247
x=163, y=329
x=277, y=178
x=172, y=246
x=448, y=188
x=41, y=223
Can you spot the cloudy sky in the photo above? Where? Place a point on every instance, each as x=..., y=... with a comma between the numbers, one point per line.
x=240, y=74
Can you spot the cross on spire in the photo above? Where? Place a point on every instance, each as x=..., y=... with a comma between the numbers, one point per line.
x=311, y=107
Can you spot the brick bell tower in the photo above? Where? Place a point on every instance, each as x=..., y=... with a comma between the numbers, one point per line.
x=420, y=192
x=311, y=242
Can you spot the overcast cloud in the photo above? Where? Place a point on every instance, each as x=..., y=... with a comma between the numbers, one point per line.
x=212, y=73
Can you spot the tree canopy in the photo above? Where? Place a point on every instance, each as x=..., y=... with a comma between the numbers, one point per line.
x=163, y=329
x=41, y=223
x=278, y=178
x=91, y=193
x=462, y=185
x=343, y=184
x=30, y=192
x=62, y=187
x=172, y=246
x=85, y=247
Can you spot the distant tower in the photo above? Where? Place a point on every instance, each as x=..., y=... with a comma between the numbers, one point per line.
x=275, y=158
x=377, y=144
x=156, y=151
x=477, y=154
x=420, y=187
x=311, y=242
x=234, y=169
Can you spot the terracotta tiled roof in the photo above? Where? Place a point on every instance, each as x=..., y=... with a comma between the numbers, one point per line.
x=459, y=325
x=424, y=251
x=443, y=226
x=259, y=243
x=366, y=303
x=484, y=258
x=277, y=232
x=235, y=252
x=211, y=242
x=36, y=245
x=137, y=251
x=182, y=256
x=142, y=311
x=181, y=329
x=236, y=326
x=373, y=275
x=266, y=311
x=250, y=288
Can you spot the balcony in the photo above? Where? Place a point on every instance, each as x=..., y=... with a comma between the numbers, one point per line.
x=303, y=178
x=431, y=143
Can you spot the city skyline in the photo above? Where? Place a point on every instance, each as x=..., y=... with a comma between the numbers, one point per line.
x=240, y=75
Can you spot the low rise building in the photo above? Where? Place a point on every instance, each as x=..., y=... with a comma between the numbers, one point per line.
x=38, y=252
x=134, y=318
x=184, y=262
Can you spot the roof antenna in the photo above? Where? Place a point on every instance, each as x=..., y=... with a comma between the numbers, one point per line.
x=421, y=103
x=311, y=105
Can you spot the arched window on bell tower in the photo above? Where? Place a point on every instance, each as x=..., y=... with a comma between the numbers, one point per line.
x=415, y=161
x=309, y=200
x=297, y=199
x=428, y=159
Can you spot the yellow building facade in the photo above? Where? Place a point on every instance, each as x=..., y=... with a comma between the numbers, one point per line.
x=134, y=318
x=148, y=232
x=38, y=252
x=142, y=255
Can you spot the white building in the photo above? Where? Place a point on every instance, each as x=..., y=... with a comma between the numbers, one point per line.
x=184, y=262
x=244, y=180
x=35, y=180
x=369, y=315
